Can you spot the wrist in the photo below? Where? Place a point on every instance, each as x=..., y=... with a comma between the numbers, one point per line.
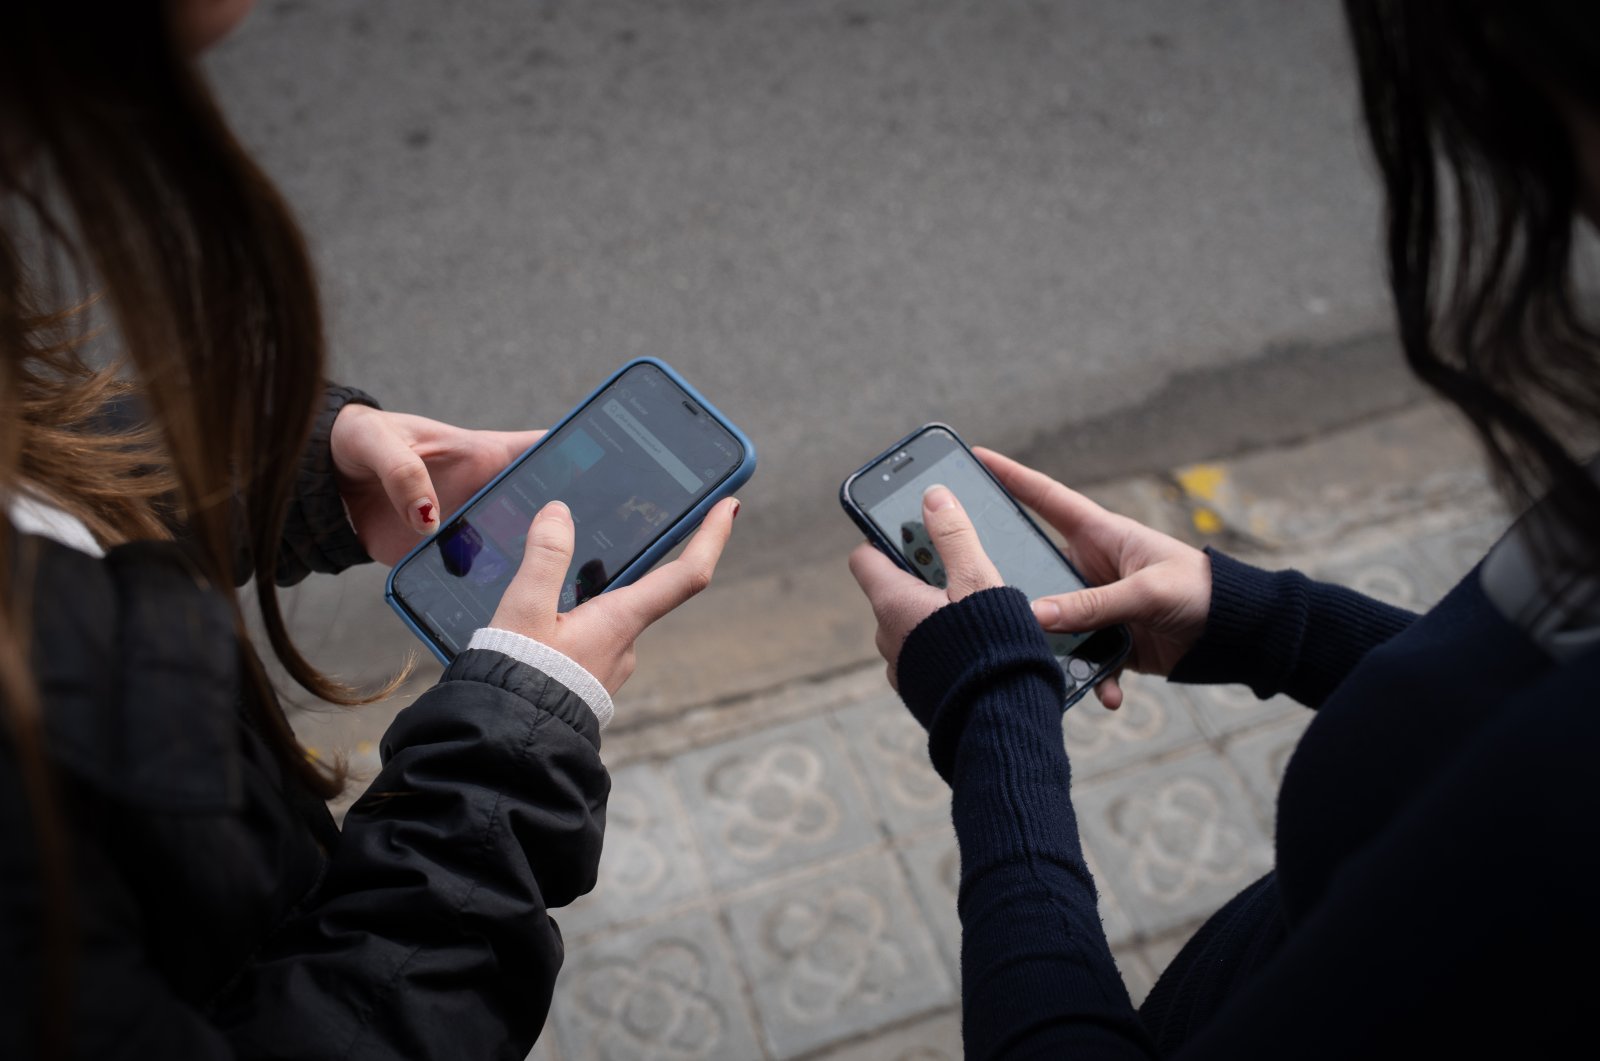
x=1196, y=610
x=552, y=662
x=966, y=650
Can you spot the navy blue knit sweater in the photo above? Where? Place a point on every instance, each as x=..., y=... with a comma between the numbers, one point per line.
x=1436, y=891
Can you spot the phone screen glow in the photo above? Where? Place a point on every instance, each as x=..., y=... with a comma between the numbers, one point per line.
x=632, y=463
x=1023, y=558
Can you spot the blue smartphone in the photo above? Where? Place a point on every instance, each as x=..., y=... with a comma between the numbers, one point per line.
x=639, y=462
x=884, y=498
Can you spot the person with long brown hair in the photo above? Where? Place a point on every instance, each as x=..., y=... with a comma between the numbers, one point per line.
x=171, y=881
x=1437, y=850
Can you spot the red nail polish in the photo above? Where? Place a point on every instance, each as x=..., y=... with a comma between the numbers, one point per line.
x=736, y=508
x=425, y=510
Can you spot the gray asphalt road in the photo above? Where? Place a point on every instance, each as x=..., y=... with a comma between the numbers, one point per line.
x=840, y=219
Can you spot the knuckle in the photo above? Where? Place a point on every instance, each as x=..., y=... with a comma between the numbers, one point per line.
x=859, y=560
x=952, y=545
x=1087, y=605
x=949, y=524
x=545, y=538
x=546, y=544
x=404, y=468
x=697, y=580
x=960, y=583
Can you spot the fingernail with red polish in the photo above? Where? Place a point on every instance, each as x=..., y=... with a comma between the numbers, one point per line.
x=736, y=508
x=424, y=508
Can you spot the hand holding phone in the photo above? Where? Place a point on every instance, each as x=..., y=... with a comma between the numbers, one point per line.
x=1154, y=584
x=886, y=500
x=639, y=464
x=600, y=633
x=900, y=603
x=400, y=474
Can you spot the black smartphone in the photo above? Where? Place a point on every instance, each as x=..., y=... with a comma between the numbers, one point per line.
x=639, y=462
x=884, y=498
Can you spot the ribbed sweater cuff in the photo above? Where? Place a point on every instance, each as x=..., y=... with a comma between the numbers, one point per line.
x=1281, y=632
x=317, y=535
x=961, y=651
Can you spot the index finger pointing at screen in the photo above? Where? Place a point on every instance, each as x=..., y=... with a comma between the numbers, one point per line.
x=670, y=585
x=1062, y=507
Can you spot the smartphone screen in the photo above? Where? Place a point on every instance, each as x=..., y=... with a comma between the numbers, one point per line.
x=630, y=464
x=889, y=492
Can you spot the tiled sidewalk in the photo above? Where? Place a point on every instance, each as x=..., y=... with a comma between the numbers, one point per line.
x=779, y=873
x=789, y=893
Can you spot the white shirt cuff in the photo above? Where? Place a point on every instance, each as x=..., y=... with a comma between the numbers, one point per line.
x=548, y=661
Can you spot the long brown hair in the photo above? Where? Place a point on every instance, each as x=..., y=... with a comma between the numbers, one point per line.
x=1464, y=103
x=116, y=167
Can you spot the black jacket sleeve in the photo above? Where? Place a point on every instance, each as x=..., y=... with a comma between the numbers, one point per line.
x=317, y=535
x=428, y=935
x=1281, y=632
x=431, y=936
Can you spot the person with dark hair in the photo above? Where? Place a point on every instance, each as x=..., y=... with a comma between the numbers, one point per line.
x=172, y=884
x=1437, y=851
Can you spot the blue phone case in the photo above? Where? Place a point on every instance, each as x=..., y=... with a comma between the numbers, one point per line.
x=883, y=545
x=662, y=545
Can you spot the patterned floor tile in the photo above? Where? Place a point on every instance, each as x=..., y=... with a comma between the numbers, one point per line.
x=1224, y=709
x=546, y=1049
x=891, y=750
x=936, y=1039
x=933, y=866
x=833, y=956
x=1394, y=574
x=1261, y=755
x=1160, y=952
x=663, y=991
x=772, y=801
x=649, y=862
x=1113, y=918
x=1174, y=840
x=1137, y=976
x=1151, y=720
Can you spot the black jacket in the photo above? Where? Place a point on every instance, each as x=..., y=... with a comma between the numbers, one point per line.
x=220, y=912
